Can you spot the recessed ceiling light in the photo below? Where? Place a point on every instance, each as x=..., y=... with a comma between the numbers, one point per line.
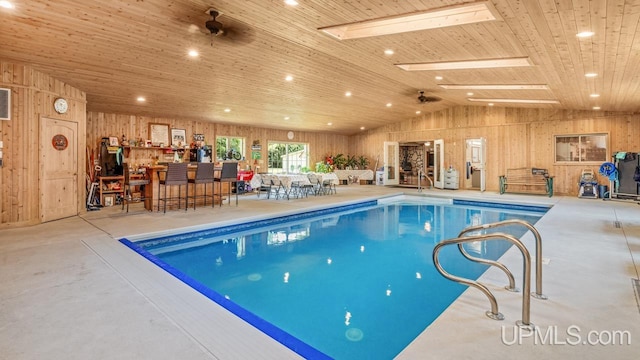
x=438, y=77
x=430, y=19
x=286, y=118
x=291, y=2
x=590, y=75
x=418, y=112
x=141, y=99
x=6, y=4
x=388, y=104
x=469, y=94
x=521, y=101
x=584, y=34
x=193, y=53
x=227, y=110
x=494, y=86
x=289, y=78
x=329, y=124
x=467, y=64
x=388, y=52
x=596, y=108
x=594, y=95
x=490, y=104
x=361, y=127
x=348, y=93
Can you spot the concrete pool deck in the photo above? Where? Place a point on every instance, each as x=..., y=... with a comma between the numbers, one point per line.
x=71, y=291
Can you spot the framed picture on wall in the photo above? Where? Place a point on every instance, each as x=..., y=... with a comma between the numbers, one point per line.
x=178, y=138
x=113, y=141
x=159, y=134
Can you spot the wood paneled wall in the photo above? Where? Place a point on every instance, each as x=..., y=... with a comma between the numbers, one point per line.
x=32, y=96
x=101, y=125
x=515, y=138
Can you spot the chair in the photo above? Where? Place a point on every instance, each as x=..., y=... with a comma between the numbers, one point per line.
x=228, y=174
x=316, y=185
x=301, y=188
x=329, y=186
x=265, y=185
x=204, y=175
x=128, y=183
x=176, y=174
x=278, y=187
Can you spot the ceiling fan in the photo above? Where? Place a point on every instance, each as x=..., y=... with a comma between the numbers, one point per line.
x=231, y=31
x=422, y=99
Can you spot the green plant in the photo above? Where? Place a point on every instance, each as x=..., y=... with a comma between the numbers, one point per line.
x=363, y=162
x=351, y=161
x=339, y=161
x=322, y=167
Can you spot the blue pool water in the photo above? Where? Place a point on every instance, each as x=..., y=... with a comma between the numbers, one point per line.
x=351, y=283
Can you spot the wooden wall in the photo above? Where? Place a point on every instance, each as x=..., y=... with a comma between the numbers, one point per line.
x=32, y=96
x=101, y=125
x=515, y=138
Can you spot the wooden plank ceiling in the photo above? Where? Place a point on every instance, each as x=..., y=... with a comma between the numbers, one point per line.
x=117, y=50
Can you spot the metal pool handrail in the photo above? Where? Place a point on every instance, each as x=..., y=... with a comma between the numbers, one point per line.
x=538, y=294
x=493, y=313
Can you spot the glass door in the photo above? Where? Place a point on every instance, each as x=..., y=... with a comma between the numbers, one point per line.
x=438, y=164
x=391, y=163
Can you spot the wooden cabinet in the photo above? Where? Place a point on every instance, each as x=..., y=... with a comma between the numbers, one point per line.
x=111, y=188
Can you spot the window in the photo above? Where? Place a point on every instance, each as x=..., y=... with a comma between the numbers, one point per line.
x=229, y=148
x=288, y=157
x=581, y=148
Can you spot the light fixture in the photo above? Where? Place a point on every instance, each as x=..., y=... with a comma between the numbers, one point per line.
x=585, y=34
x=286, y=118
x=590, y=75
x=418, y=112
x=594, y=95
x=227, y=110
x=389, y=104
x=329, y=124
x=291, y=2
x=141, y=99
x=522, y=101
x=467, y=64
x=469, y=94
x=490, y=104
x=193, y=53
x=494, y=87
x=347, y=94
x=423, y=20
x=288, y=78
x=6, y=4
x=438, y=78
x=388, y=52
x=596, y=108
x=361, y=127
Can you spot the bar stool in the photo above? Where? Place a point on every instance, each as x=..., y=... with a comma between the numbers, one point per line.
x=128, y=183
x=176, y=174
x=204, y=175
x=228, y=174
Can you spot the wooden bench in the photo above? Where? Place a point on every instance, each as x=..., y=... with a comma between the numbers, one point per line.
x=527, y=180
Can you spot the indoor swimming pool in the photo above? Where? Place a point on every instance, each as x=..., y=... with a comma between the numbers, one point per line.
x=350, y=282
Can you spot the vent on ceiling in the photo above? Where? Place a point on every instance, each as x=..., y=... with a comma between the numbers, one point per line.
x=5, y=104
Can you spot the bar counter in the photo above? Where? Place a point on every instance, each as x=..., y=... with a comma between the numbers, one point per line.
x=151, y=190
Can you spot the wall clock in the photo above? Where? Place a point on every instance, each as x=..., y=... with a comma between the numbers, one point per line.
x=60, y=105
x=290, y=135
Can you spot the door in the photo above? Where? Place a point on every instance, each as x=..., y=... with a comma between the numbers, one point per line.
x=58, y=169
x=391, y=163
x=476, y=162
x=438, y=164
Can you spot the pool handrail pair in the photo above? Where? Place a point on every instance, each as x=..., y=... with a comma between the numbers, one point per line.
x=461, y=239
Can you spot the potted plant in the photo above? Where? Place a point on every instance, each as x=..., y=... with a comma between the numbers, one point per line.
x=363, y=162
x=351, y=162
x=339, y=161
